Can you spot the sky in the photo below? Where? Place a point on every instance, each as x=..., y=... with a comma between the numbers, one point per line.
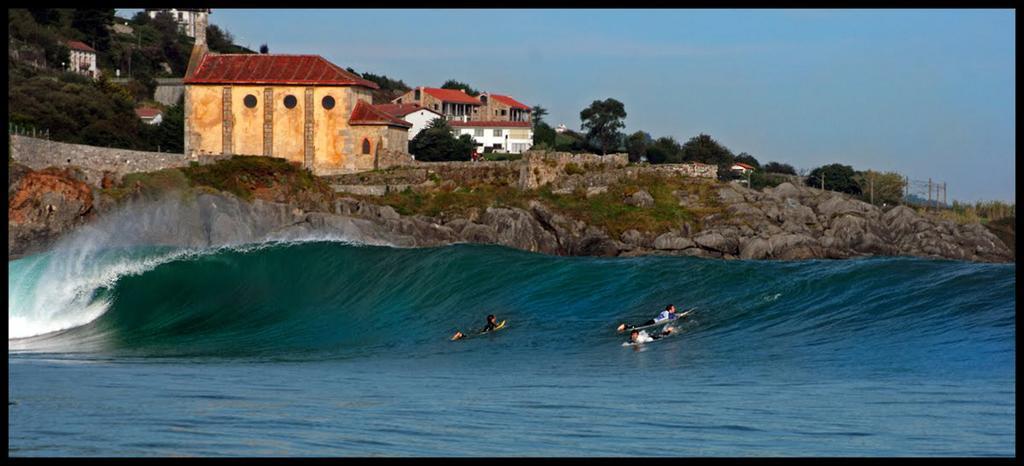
x=926, y=93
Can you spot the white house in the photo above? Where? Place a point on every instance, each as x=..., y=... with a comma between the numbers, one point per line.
x=512, y=137
x=150, y=115
x=185, y=17
x=741, y=168
x=420, y=117
x=561, y=128
x=82, y=59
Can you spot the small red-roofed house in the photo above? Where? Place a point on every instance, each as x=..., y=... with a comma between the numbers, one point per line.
x=741, y=167
x=149, y=115
x=82, y=59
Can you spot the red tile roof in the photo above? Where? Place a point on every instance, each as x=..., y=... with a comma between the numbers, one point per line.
x=745, y=166
x=147, y=112
x=401, y=110
x=492, y=124
x=452, y=95
x=79, y=45
x=273, y=69
x=366, y=114
x=509, y=101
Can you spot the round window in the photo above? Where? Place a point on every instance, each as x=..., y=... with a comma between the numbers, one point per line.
x=250, y=101
x=328, y=102
x=290, y=101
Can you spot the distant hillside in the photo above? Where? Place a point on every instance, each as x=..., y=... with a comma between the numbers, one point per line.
x=73, y=108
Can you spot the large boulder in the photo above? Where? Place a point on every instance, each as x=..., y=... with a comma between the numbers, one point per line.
x=794, y=247
x=518, y=229
x=716, y=241
x=671, y=242
x=641, y=199
x=754, y=248
x=839, y=205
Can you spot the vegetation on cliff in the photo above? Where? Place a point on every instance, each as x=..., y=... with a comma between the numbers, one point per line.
x=44, y=97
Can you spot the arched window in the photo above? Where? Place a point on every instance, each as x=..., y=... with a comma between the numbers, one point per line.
x=366, y=146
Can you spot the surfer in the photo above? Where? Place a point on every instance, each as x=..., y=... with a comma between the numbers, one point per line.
x=668, y=314
x=637, y=337
x=492, y=324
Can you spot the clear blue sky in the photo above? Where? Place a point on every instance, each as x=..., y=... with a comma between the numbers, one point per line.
x=927, y=93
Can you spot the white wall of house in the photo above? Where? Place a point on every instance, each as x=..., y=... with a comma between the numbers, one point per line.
x=155, y=120
x=420, y=119
x=511, y=140
x=80, y=59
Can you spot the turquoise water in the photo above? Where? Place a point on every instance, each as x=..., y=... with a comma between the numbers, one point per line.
x=331, y=349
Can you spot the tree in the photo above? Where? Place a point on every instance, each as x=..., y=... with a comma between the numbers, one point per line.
x=170, y=133
x=264, y=49
x=453, y=84
x=705, y=149
x=436, y=143
x=45, y=16
x=664, y=150
x=637, y=144
x=776, y=167
x=878, y=188
x=537, y=113
x=838, y=177
x=219, y=40
x=94, y=25
x=141, y=18
x=748, y=159
x=544, y=134
x=602, y=121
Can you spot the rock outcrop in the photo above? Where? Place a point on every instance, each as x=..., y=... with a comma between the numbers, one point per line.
x=786, y=222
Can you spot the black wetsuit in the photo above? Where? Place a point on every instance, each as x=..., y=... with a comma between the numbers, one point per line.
x=490, y=326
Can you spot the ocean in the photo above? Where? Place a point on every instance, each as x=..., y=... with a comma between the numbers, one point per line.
x=329, y=348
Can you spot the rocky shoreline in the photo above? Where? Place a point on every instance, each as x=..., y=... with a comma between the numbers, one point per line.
x=787, y=222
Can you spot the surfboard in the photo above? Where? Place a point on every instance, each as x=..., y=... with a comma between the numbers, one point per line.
x=500, y=326
x=679, y=315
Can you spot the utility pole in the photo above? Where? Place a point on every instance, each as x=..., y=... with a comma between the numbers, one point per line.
x=943, y=192
x=871, y=183
x=930, y=193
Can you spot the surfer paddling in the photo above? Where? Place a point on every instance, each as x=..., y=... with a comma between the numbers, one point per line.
x=668, y=314
x=637, y=337
x=492, y=325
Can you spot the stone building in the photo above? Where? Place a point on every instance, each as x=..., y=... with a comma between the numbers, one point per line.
x=82, y=59
x=503, y=108
x=302, y=108
x=457, y=105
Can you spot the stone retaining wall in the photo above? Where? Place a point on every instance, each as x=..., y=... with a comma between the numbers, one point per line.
x=94, y=161
x=694, y=169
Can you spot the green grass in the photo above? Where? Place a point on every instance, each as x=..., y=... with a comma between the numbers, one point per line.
x=242, y=175
x=605, y=210
x=150, y=184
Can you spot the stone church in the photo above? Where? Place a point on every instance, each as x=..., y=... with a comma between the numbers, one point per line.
x=299, y=107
